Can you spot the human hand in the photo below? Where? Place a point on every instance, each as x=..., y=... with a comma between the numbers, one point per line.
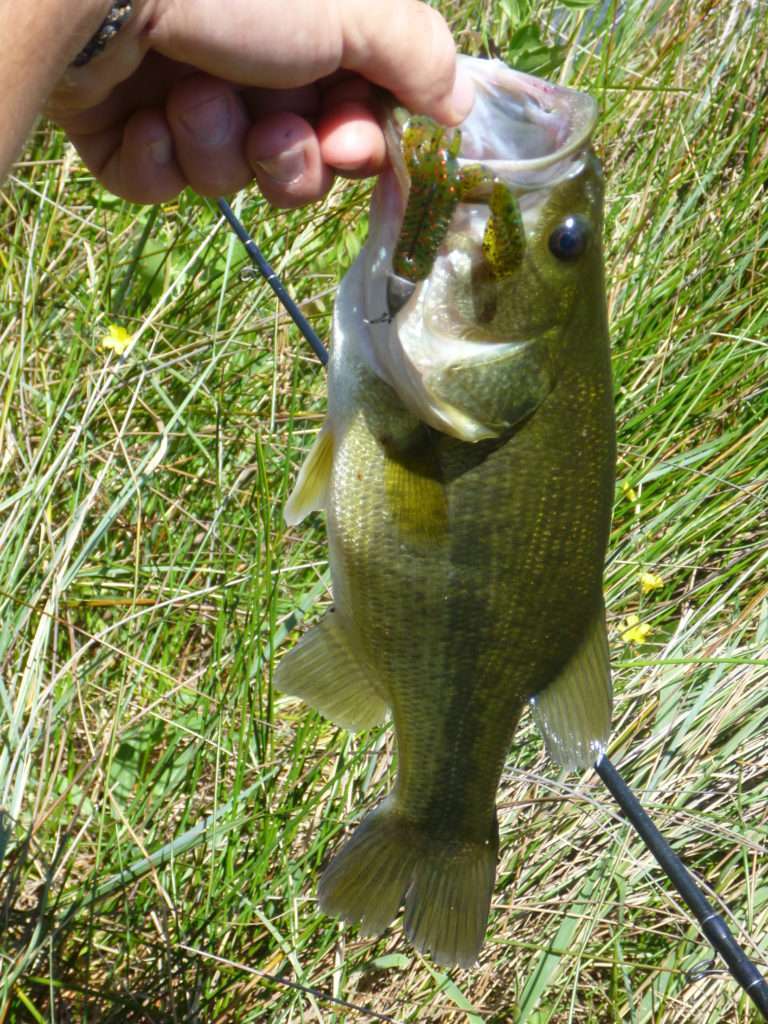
x=212, y=93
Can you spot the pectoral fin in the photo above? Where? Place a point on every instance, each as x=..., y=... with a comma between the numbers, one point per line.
x=574, y=712
x=325, y=672
x=310, y=492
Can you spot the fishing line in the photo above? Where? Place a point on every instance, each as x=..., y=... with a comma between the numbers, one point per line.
x=717, y=932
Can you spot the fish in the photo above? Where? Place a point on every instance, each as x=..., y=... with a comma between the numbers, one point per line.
x=466, y=469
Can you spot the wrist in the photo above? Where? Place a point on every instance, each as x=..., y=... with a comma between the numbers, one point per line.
x=98, y=22
x=56, y=29
x=68, y=27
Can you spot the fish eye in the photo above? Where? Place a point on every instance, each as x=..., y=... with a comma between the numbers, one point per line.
x=570, y=238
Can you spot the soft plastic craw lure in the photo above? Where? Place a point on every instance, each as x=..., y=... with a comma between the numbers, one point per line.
x=504, y=237
x=437, y=185
x=431, y=160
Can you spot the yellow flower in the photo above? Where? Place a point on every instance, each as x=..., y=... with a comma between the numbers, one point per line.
x=650, y=581
x=117, y=340
x=628, y=491
x=633, y=631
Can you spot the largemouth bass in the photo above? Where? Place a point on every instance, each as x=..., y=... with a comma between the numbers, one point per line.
x=467, y=468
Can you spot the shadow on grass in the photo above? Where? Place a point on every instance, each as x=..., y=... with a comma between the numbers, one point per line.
x=51, y=947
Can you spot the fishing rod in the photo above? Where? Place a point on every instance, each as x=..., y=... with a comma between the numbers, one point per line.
x=712, y=924
x=274, y=282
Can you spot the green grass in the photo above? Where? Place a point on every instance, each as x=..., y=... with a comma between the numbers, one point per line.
x=164, y=815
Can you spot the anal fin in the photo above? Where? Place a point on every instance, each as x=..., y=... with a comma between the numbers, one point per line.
x=325, y=672
x=574, y=711
x=310, y=492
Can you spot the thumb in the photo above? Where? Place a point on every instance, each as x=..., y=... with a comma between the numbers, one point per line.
x=407, y=48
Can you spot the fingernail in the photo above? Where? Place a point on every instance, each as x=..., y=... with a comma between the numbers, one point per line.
x=463, y=95
x=285, y=168
x=161, y=151
x=210, y=122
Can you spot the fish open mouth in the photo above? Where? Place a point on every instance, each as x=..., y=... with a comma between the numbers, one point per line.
x=523, y=125
x=522, y=129
x=522, y=135
x=450, y=227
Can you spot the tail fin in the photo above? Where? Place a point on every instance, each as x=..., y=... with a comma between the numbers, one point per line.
x=447, y=884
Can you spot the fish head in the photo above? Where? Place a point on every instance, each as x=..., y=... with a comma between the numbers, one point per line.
x=484, y=261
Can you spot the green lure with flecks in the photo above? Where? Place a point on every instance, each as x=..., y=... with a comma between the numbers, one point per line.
x=437, y=185
x=504, y=237
x=430, y=157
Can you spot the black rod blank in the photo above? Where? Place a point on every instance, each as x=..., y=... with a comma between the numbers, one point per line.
x=274, y=282
x=712, y=924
